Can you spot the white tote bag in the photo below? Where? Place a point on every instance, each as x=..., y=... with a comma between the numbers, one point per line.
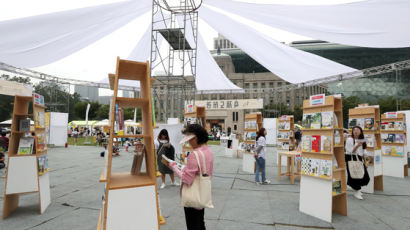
x=198, y=195
x=356, y=168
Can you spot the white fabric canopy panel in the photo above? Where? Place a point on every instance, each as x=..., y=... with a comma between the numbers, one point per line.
x=288, y=63
x=40, y=40
x=209, y=77
x=372, y=23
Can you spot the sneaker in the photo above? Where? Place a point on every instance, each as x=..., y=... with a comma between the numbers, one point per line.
x=266, y=182
x=360, y=192
x=258, y=183
x=175, y=184
x=358, y=195
x=162, y=186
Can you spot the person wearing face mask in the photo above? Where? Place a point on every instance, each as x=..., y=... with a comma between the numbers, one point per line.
x=165, y=148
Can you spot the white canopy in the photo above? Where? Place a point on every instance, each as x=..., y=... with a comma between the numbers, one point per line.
x=8, y=122
x=43, y=39
x=371, y=23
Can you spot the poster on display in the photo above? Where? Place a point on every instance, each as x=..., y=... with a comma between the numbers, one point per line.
x=317, y=99
x=270, y=125
x=190, y=108
x=58, y=128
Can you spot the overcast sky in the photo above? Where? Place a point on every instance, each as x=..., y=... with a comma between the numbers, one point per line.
x=95, y=61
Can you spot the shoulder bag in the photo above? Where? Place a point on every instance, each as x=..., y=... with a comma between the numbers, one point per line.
x=356, y=167
x=198, y=195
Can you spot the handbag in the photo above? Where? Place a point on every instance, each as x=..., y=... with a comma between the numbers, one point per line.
x=356, y=168
x=198, y=195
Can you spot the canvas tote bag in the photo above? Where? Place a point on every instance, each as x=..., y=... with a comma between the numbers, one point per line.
x=198, y=195
x=356, y=167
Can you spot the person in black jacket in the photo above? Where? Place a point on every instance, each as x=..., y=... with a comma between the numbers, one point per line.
x=165, y=148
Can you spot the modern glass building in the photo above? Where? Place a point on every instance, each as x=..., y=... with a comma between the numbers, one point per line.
x=368, y=89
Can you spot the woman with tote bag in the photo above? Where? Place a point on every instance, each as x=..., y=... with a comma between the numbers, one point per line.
x=196, y=177
x=357, y=175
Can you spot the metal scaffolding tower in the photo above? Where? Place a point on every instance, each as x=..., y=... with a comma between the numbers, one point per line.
x=175, y=21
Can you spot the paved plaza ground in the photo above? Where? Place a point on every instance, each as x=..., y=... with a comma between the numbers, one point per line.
x=239, y=203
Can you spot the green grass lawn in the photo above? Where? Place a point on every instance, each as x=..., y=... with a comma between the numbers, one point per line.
x=81, y=141
x=213, y=142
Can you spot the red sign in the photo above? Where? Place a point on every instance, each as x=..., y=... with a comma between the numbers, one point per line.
x=317, y=99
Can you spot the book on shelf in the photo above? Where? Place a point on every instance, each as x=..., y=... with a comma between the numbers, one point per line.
x=388, y=150
x=391, y=138
x=42, y=164
x=307, y=120
x=360, y=122
x=316, y=121
x=316, y=167
x=25, y=146
x=39, y=119
x=399, y=138
x=369, y=159
x=306, y=143
x=24, y=125
x=399, y=125
x=370, y=140
x=326, y=144
x=40, y=141
x=384, y=137
x=352, y=123
x=336, y=187
x=327, y=120
x=285, y=145
x=337, y=137
x=316, y=143
x=369, y=123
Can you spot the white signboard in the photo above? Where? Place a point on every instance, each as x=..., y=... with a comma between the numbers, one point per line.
x=13, y=88
x=317, y=99
x=231, y=104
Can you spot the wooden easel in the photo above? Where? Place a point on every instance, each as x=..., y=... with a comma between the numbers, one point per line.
x=22, y=175
x=131, y=199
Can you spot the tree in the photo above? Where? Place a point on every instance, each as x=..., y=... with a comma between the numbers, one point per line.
x=297, y=113
x=349, y=103
x=103, y=112
x=387, y=104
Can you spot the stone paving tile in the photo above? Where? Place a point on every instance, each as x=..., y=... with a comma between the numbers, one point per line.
x=239, y=203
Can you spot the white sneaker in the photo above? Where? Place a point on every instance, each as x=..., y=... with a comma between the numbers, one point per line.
x=162, y=186
x=360, y=192
x=266, y=182
x=175, y=184
x=358, y=195
x=258, y=183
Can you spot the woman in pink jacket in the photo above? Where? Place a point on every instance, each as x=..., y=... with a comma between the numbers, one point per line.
x=198, y=138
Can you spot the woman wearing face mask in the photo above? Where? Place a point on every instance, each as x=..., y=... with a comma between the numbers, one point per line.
x=168, y=150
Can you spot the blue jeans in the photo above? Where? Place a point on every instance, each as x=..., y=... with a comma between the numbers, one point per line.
x=260, y=164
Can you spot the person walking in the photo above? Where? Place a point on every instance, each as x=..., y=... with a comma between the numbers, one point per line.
x=165, y=148
x=198, y=138
x=355, y=146
x=260, y=156
x=75, y=134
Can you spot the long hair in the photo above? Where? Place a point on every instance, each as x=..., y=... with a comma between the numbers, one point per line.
x=164, y=133
x=261, y=133
x=361, y=135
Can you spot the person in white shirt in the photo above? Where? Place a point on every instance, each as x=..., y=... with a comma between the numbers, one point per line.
x=260, y=156
x=356, y=144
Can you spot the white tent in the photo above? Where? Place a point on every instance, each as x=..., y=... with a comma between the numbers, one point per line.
x=8, y=122
x=43, y=39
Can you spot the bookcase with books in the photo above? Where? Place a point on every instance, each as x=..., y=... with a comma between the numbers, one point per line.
x=286, y=133
x=27, y=165
x=368, y=118
x=323, y=174
x=253, y=122
x=193, y=115
x=394, y=144
x=131, y=197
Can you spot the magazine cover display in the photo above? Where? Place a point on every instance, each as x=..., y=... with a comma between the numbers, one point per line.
x=370, y=140
x=40, y=121
x=40, y=142
x=42, y=164
x=327, y=120
x=396, y=151
x=25, y=146
x=316, y=167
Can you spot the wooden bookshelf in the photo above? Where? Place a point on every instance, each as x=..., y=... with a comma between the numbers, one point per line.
x=22, y=175
x=394, y=164
x=373, y=152
x=198, y=113
x=129, y=197
x=316, y=196
x=248, y=161
x=291, y=132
